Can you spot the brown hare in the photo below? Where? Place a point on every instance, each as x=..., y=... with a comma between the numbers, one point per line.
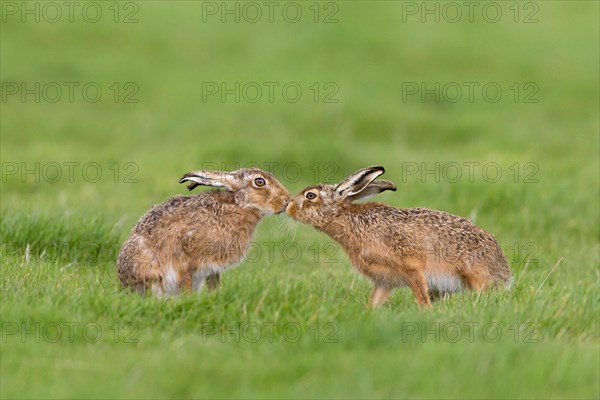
x=179, y=244
x=430, y=251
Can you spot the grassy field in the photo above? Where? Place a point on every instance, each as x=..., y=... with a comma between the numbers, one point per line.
x=497, y=121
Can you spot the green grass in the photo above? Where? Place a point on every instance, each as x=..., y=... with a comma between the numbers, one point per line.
x=287, y=324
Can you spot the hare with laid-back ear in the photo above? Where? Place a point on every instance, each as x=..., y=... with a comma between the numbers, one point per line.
x=430, y=251
x=187, y=240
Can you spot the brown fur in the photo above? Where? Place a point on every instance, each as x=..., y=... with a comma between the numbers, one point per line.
x=396, y=247
x=197, y=237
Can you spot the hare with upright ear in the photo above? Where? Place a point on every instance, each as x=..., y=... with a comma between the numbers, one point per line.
x=187, y=240
x=430, y=251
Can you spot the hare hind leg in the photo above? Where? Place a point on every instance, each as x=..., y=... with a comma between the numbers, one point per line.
x=192, y=282
x=207, y=275
x=379, y=296
x=213, y=281
x=170, y=283
x=474, y=279
x=187, y=283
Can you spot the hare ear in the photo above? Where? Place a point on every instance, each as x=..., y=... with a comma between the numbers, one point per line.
x=227, y=180
x=373, y=188
x=358, y=181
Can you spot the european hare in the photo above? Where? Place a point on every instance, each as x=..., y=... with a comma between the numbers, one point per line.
x=432, y=252
x=179, y=244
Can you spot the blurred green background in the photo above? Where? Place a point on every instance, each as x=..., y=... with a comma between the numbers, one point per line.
x=357, y=64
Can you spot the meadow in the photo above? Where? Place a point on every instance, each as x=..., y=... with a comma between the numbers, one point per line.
x=491, y=114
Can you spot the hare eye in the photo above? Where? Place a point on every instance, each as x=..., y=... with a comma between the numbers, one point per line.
x=311, y=196
x=260, y=182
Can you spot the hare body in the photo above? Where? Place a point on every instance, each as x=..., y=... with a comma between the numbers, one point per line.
x=189, y=240
x=430, y=251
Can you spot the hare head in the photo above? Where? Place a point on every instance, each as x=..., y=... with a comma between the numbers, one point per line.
x=319, y=204
x=252, y=187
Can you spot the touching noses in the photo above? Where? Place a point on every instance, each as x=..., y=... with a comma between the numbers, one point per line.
x=289, y=205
